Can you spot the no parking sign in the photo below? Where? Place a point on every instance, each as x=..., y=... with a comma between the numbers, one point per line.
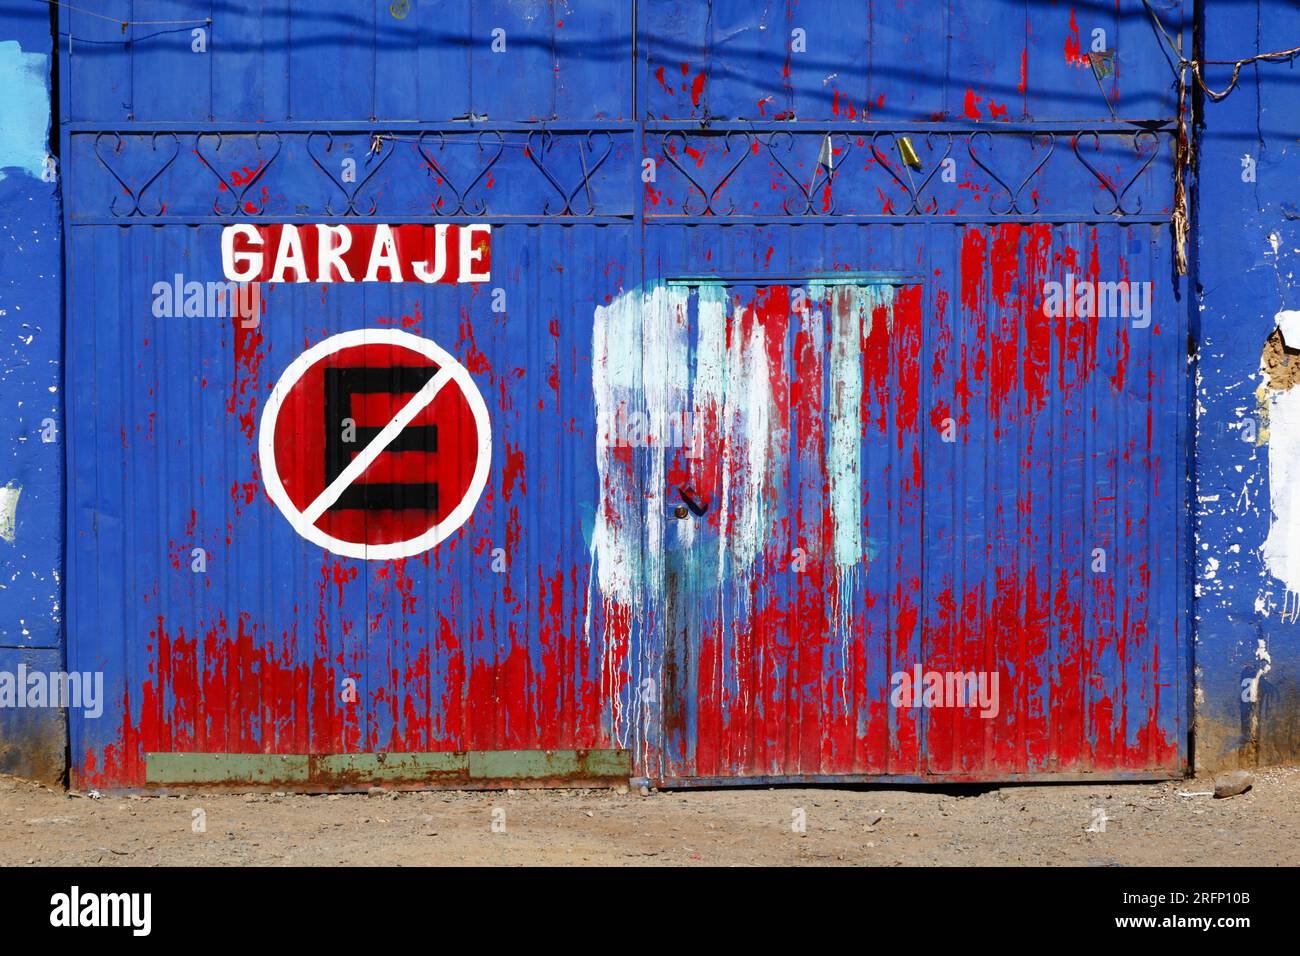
x=375, y=444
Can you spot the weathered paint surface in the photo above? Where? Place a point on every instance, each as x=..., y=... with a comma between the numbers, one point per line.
x=1281, y=552
x=32, y=741
x=1247, y=417
x=24, y=77
x=891, y=460
x=790, y=608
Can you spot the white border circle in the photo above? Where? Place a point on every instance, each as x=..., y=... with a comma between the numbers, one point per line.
x=397, y=549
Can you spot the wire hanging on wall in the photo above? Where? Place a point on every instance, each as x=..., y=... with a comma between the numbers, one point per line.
x=1183, y=156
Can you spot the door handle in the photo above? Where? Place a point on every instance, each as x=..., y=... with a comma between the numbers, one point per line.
x=693, y=505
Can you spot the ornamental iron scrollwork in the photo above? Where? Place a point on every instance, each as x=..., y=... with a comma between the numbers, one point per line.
x=463, y=205
x=823, y=176
x=1011, y=164
x=136, y=195
x=240, y=206
x=817, y=173
x=541, y=142
x=1117, y=195
x=709, y=196
x=381, y=156
x=913, y=192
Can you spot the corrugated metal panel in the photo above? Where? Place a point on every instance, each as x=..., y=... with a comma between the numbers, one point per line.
x=251, y=656
x=794, y=604
x=575, y=612
x=408, y=60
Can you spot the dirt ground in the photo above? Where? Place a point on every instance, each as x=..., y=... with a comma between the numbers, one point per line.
x=1145, y=824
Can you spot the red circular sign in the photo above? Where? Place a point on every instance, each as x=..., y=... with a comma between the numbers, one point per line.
x=375, y=444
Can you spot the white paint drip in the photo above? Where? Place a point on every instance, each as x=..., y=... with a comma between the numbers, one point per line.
x=709, y=391
x=9, y=511
x=844, y=458
x=666, y=386
x=636, y=350
x=745, y=426
x=615, y=564
x=720, y=385
x=1265, y=665
x=844, y=436
x=852, y=311
x=747, y=421
x=616, y=377
x=1282, y=548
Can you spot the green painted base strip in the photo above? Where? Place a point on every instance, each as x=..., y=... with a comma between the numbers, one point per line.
x=174, y=768
x=545, y=764
x=394, y=766
x=476, y=766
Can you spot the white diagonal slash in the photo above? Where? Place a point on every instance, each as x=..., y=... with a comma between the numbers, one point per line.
x=376, y=447
x=302, y=521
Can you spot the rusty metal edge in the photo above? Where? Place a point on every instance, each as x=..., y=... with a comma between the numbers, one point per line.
x=929, y=780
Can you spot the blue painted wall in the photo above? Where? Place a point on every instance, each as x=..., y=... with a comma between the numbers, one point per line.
x=32, y=741
x=1248, y=252
x=1246, y=244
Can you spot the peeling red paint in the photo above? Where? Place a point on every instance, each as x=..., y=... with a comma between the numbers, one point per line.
x=1074, y=54
x=243, y=402
x=697, y=88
